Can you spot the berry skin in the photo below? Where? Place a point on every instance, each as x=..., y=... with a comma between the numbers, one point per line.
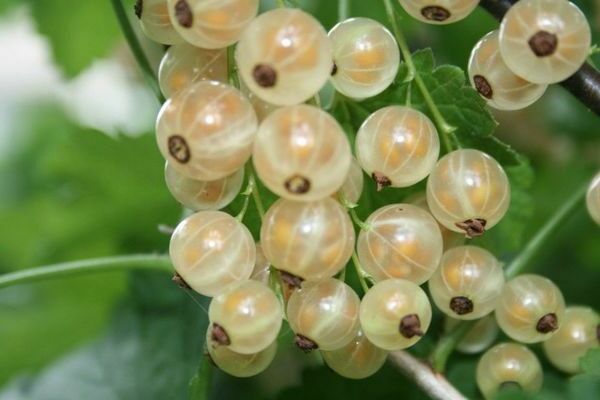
x=301, y=153
x=353, y=186
x=261, y=107
x=240, y=365
x=544, y=41
x=467, y=283
x=203, y=195
x=284, y=56
x=592, y=199
x=212, y=24
x=401, y=241
x=206, y=131
x=506, y=364
x=530, y=308
x=579, y=332
x=358, y=359
x=397, y=146
x=366, y=57
x=323, y=314
x=184, y=64
x=245, y=316
x=211, y=249
x=311, y=240
x=394, y=314
x=495, y=82
x=155, y=21
x=262, y=266
x=478, y=338
x=468, y=191
x=439, y=11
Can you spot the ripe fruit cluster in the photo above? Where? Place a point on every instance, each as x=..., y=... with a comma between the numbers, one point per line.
x=209, y=129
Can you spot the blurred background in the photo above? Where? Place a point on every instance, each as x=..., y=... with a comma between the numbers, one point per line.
x=81, y=177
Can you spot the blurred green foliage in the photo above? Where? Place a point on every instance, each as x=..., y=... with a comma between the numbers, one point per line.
x=68, y=192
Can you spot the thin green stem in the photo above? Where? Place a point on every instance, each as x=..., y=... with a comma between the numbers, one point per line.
x=350, y=207
x=552, y=225
x=389, y=9
x=445, y=346
x=360, y=272
x=247, y=193
x=137, y=261
x=255, y=193
x=343, y=9
x=232, y=74
x=136, y=49
x=280, y=3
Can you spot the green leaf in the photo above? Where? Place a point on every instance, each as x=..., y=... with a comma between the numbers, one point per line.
x=200, y=383
x=590, y=362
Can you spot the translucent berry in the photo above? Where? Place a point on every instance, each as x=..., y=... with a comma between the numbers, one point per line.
x=358, y=359
x=353, y=186
x=203, y=195
x=206, y=131
x=394, y=314
x=439, y=11
x=400, y=241
x=155, y=21
x=301, y=153
x=483, y=333
x=262, y=108
x=530, y=308
x=508, y=364
x=323, y=314
x=578, y=333
x=467, y=283
x=593, y=199
x=468, y=191
x=544, y=41
x=262, y=266
x=397, y=146
x=240, y=365
x=284, y=56
x=311, y=240
x=245, y=316
x=212, y=24
x=184, y=64
x=366, y=57
x=495, y=82
x=210, y=249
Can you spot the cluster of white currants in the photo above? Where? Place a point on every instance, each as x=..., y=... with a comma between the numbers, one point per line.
x=208, y=130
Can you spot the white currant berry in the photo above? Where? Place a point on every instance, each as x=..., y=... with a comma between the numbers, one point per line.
x=206, y=131
x=508, y=364
x=366, y=57
x=353, y=186
x=262, y=108
x=530, y=308
x=212, y=24
x=203, y=195
x=468, y=191
x=593, y=199
x=439, y=11
x=245, y=316
x=155, y=21
x=479, y=337
x=578, y=333
x=544, y=41
x=467, y=283
x=495, y=82
x=400, y=241
x=211, y=249
x=284, y=56
x=311, y=240
x=262, y=266
x=397, y=146
x=184, y=64
x=358, y=359
x=301, y=153
x=449, y=237
x=240, y=365
x=395, y=314
x=323, y=314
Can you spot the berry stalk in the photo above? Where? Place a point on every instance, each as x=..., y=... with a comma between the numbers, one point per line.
x=445, y=346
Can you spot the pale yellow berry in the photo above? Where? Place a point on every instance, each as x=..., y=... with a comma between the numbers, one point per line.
x=479, y=337
x=353, y=186
x=155, y=21
x=439, y=11
x=262, y=266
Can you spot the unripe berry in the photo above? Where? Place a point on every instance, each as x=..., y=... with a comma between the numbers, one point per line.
x=366, y=57
x=544, y=41
x=593, y=199
x=155, y=21
x=468, y=191
x=479, y=337
x=284, y=56
x=439, y=11
x=211, y=249
x=530, y=308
